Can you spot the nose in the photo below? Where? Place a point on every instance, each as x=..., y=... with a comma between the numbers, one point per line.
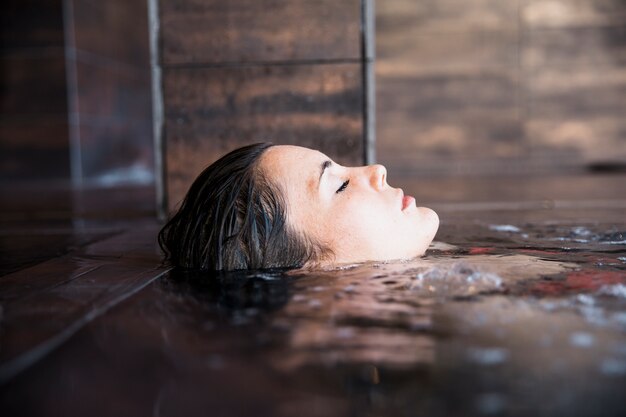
x=378, y=176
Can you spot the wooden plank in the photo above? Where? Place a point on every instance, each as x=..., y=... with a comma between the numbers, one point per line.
x=81, y=287
x=214, y=31
x=448, y=84
x=572, y=13
x=125, y=24
x=584, y=140
x=209, y=111
x=429, y=121
x=444, y=16
x=576, y=92
x=576, y=72
x=410, y=53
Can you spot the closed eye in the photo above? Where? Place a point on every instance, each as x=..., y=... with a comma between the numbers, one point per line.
x=343, y=186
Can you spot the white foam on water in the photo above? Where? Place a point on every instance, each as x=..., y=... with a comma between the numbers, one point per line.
x=616, y=290
x=613, y=367
x=488, y=356
x=585, y=299
x=581, y=339
x=458, y=279
x=504, y=228
x=581, y=231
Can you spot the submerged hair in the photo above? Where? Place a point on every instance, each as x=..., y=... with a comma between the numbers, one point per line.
x=234, y=218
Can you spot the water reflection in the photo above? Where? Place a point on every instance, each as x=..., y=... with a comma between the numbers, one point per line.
x=518, y=323
x=373, y=313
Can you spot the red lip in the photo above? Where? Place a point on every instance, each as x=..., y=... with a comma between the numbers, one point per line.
x=407, y=201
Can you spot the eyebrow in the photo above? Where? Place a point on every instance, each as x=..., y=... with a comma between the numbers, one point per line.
x=323, y=167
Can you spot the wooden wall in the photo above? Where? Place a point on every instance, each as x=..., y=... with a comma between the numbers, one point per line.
x=245, y=71
x=33, y=103
x=486, y=87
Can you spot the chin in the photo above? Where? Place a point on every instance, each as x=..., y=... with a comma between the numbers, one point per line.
x=429, y=225
x=435, y=222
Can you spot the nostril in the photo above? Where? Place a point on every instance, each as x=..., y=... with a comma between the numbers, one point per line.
x=383, y=176
x=379, y=179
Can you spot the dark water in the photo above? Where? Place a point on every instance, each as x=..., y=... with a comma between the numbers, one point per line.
x=524, y=319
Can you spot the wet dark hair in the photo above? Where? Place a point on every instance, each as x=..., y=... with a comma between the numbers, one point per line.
x=233, y=218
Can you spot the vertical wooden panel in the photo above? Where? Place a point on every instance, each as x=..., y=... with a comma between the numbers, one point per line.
x=210, y=111
x=210, y=31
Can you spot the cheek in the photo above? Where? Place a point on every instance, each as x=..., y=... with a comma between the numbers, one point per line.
x=362, y=221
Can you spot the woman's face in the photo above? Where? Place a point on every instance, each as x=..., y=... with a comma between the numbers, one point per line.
x=353, y=211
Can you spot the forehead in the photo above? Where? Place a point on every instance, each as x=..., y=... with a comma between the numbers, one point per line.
x=294, y=168
x=292, y=160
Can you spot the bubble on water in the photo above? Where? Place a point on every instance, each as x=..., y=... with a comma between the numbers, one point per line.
x=613, y=367
x=299, y=297
x=616, y=290
x=266, y=276
x=581, y=231
x=614, y=238
x=488, y=356
x=594, y=315
x=504, y=228
x=622, y=258
x=315, y=303
x=347, y=267
x=349, y=288
x=318, y=288
x=581, y=339
x=619, y=318
x=490, y=403
x=459, y=279
x=585, y=299
x=572, y=237
x=554, y=305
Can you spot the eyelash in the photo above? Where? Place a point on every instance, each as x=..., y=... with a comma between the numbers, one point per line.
x=343, y=186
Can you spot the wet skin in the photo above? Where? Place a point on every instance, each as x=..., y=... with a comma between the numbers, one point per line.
x=350, y=210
